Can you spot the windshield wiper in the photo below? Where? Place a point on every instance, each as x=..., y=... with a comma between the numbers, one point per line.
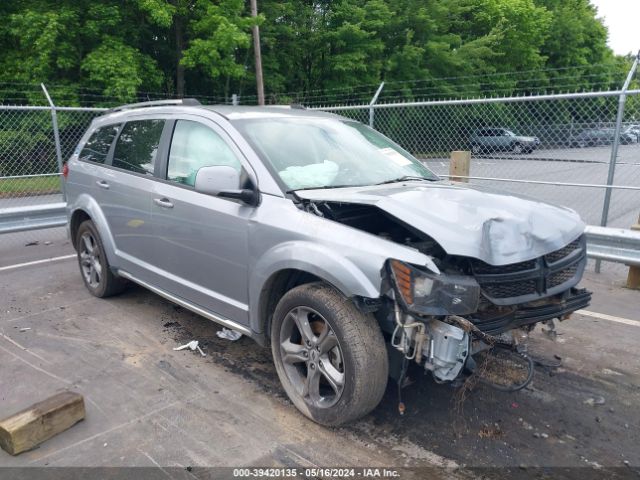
x=293, y=190
x=404, y=179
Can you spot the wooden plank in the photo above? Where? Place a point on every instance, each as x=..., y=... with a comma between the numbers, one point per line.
x=41, y=421
x=459, y=166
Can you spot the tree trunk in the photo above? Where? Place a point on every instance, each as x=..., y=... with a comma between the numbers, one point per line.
x=179, y=47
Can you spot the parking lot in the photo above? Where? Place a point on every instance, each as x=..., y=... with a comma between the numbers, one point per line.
x=587, y=166
x=148, y=405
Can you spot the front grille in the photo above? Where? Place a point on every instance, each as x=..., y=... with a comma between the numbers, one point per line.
x=483, y=268
x=532, y=279
x=562, y=276
x=510, y=289
x=563, y=252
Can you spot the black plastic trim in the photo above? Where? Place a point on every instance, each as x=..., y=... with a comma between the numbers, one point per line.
x=575, y=299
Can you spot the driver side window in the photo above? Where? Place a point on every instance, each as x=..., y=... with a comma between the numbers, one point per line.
x=194, y=146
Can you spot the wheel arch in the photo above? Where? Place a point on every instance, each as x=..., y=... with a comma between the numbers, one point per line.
x=77, y=217
x=291, y=265
x=276, y=286
x=86, y=208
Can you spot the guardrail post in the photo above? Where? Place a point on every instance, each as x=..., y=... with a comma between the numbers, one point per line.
x=56, y=138
x=460, y=166
x=633, y=279
x=614, y=147
x=372, y=103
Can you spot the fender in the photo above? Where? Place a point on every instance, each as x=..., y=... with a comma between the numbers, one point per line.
x=88, y=204
x=313, y=258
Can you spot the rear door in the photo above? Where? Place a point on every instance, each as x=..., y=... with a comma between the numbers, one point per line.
x=126, y=188
x=201, y=241
x=88, y=174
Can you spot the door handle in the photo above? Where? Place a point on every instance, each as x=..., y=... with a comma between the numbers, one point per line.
x=103, y=184
x=163, y=202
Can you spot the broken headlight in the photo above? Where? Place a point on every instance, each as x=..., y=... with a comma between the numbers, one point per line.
x=434, y=294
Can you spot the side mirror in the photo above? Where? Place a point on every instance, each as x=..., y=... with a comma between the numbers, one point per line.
x=224, y=181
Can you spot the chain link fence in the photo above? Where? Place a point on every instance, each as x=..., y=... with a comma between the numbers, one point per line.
x=30, y=166
x=553, y=148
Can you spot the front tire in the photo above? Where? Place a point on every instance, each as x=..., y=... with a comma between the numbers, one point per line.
x=517, y=149
x=330, y=357
x=94, y=267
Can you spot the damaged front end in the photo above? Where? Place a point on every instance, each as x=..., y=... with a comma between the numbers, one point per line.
x=445, y=321
x=447, y=314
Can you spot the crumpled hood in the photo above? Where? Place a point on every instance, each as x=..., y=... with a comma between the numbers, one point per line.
x=467, y=220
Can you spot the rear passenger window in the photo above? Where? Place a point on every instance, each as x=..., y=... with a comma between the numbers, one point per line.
x=194, y=146
x=97, y=147
x=137, y=146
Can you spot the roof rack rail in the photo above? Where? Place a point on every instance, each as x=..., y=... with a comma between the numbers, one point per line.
x=157, y=103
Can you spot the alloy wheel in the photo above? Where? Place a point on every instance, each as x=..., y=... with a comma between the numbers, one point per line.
x=90, y=260
x=312, y=357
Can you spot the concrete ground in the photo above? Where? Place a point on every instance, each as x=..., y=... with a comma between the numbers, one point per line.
x=148, y=405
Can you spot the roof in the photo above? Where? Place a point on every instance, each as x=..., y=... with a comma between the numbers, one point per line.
x=272, y=111
x=228, y=111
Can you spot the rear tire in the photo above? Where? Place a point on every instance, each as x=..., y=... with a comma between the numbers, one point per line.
x=517, y=149
x=94, y=267
x=330, y=357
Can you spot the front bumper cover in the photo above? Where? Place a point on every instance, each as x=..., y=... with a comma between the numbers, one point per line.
x=573, y=300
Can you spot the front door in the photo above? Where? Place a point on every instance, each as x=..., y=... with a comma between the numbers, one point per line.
x=200, y=241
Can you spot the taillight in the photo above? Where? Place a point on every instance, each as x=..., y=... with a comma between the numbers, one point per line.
x=65, y=170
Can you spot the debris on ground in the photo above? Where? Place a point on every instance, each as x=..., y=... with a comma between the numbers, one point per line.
x=25, y=329
x=490, y=431
x=597, y=400
x=192, y=345
x=31, y=244
x=228, y=334
x=526, y=425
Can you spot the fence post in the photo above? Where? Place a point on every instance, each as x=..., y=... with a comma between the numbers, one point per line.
x=56, y=138
x=372, y=103
x=459, y=166
x=234, y=99
x=614, y=148
x=633, y=279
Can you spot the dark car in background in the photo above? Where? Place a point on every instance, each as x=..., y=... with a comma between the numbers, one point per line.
x=593, y=137
x=634, y=131
x=501, y=139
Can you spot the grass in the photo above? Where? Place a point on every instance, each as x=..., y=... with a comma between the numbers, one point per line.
x=21, y=187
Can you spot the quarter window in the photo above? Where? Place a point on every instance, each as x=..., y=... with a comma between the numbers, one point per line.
x=97, y=147
x=194, y=146
x=137, y=146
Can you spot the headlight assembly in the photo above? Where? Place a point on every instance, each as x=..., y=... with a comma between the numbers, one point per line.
x=432, y=294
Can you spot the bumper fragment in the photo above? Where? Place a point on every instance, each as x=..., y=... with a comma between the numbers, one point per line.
x=575, y=300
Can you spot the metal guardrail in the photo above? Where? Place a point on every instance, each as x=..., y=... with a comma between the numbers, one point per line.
x=618, y=245
x=32, y=217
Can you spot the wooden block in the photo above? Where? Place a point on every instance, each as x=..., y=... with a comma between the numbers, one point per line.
x=459, y=166
x=40, y=421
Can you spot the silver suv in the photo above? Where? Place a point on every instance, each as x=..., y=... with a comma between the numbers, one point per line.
x=322, y=238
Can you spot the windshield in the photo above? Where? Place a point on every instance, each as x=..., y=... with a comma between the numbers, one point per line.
x=329, y=153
